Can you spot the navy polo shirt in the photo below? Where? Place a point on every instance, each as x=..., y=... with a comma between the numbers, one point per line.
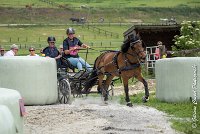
x=51, y=52
x=67, y=43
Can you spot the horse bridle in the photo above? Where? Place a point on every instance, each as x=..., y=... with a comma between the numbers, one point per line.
x=135, y=53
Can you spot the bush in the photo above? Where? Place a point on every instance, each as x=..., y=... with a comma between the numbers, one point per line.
x=190, y=36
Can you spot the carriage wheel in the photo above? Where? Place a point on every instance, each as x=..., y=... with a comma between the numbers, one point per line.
x=64, y=92
x=76, y=89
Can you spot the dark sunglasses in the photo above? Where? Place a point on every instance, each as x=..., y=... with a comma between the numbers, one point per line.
x=52, y=42
x=31, y=50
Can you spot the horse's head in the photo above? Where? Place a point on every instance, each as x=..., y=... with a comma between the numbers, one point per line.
x=138, y=49
x=136, y=46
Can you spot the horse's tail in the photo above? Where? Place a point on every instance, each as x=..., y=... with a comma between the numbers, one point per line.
x=92, y=80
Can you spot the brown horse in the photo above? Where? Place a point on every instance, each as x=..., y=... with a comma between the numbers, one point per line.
x=124, y=64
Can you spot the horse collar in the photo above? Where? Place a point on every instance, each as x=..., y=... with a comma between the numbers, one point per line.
x=127, y=60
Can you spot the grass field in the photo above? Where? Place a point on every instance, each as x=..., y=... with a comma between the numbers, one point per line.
x=138, y=11
x=37, y=36
x=104, y=3
x=132, y=3
x=23, y=3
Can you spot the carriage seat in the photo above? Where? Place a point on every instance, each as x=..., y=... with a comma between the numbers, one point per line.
x=81, y=75
x=66, y=64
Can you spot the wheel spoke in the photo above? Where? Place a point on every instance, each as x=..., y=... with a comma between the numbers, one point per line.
x=64, y=91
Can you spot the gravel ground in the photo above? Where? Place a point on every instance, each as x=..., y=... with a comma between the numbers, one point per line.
x=90, y=116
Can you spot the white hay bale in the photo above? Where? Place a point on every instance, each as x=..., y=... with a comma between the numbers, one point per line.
x=10, y=99
x=7, y=125
x=35, y=78
x=177, y=79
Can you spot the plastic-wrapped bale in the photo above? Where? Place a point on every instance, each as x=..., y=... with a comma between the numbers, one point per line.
x=7, y=125
x=177, y=79
x=34, y=77
x=10, y=100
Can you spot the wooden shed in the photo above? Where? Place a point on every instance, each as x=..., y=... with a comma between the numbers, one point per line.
x=151, y=34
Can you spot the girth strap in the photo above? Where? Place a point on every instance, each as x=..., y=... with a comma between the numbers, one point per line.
x=126, y=68
x=115, y=60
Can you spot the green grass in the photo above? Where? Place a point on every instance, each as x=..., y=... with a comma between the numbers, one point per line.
x=37, y=36
x=131, y=3
x=112, y=11
x=23, y=3
x=105, y=3
x=180, y=113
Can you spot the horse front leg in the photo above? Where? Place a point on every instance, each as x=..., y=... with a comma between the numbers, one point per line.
x=146, y=97
x=126, y=90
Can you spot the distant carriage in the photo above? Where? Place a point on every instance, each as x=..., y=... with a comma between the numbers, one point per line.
x=78, y=20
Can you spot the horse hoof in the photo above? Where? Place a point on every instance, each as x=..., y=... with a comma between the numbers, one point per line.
x=129, y=104
x=106, y=102
x=144, y=99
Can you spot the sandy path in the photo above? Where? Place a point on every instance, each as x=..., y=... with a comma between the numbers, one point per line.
x=89, y=115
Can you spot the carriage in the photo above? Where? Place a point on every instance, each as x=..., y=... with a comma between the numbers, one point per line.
x=124, y=64
x=71, y=84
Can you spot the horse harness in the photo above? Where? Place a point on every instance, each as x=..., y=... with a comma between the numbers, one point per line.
x=129, y=65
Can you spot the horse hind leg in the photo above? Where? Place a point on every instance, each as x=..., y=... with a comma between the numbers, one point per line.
x=146, y=97
x=106, y=85
x=100, y=87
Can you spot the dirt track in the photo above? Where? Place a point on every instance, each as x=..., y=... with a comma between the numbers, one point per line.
x=90, y=115
x=87, y=116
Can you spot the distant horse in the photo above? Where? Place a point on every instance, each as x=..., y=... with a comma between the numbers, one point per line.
x=124, y=64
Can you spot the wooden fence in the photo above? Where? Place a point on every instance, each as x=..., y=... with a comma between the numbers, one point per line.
x=39, y=45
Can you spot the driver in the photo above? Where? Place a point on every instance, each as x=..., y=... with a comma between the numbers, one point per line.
x=70, y=47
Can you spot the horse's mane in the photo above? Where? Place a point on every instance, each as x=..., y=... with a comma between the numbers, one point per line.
x=126, y=44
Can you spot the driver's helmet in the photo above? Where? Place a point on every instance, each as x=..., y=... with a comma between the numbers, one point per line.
x=70, y=31
x=51, y=39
